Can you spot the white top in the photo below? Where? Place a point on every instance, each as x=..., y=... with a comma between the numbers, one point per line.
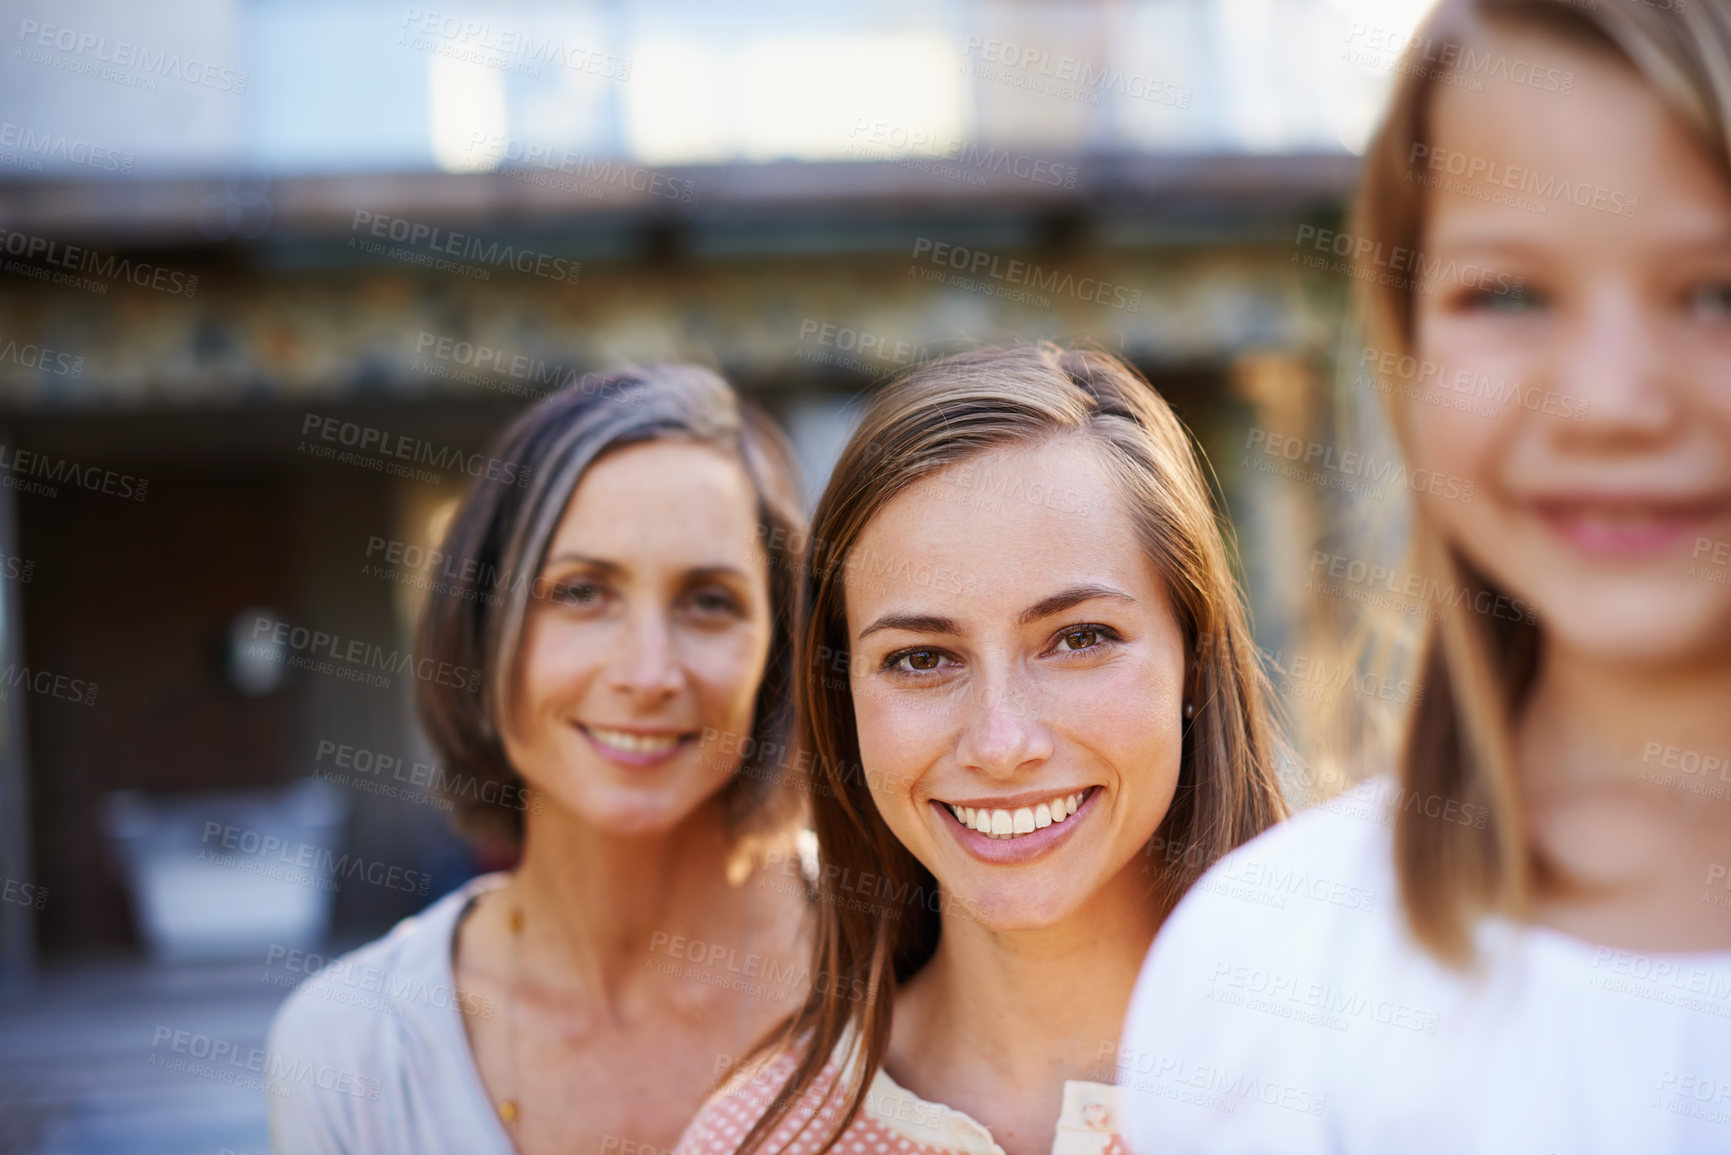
x=370, y=1055
x=1284, y=1007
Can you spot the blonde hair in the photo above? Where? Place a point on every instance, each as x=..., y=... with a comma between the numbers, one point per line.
x=1476, y=669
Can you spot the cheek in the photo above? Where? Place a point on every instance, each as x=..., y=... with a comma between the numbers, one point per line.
x=896, y=732
x=556, y=662
x=1448, y=442
x=1135, y=727
x=1451, y=462
x=1135, y=724
x=1708, y=369
x=727, y=668
x=880, y=725
x=890, y=736
x=1458, y=412
x=884, y=768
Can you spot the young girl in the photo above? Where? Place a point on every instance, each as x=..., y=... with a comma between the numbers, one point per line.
x=1035, y=716
x=1522, y=942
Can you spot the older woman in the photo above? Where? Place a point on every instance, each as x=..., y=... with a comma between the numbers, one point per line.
x=629, y=609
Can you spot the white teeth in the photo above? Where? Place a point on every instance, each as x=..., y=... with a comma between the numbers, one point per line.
x=636, y=743
x=1015, y=823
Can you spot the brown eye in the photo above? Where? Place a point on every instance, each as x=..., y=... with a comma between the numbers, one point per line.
x=1711, y=302
x=715, y=602
x=914, y=661
x=579, y=595
x=1080, y=639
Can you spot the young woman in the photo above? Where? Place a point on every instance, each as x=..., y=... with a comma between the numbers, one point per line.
x=1035, y=714
x=629, y=613
x=1522, y=941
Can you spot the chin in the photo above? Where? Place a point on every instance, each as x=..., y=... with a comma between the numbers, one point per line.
x=1009, y=907
x=1651, y=636
x=636, y=812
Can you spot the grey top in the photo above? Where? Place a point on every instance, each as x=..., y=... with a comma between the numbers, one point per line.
x=370, y=1056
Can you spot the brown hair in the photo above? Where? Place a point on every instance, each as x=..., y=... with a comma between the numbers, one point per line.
x=934, y=418
x=498, y=541
x=1477, y=669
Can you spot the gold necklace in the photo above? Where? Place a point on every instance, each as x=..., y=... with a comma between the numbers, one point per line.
x=508, y=1110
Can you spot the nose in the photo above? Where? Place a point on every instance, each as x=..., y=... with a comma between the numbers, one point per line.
x=1000, y=735
x=1617, y=368
x=646, y=663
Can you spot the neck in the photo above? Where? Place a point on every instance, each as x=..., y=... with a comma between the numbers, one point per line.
x=1591, y=722
x=593, y=901
x=1029, y=1008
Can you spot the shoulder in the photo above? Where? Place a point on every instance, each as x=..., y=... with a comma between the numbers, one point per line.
x=359, y=1012
x=322, y=1011
x=1314, y=891
x=1311, y=872
x=1233, y=997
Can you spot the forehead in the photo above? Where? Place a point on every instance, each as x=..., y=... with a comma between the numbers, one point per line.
x=662, y=495
x=1569, y=151
x=999, y=530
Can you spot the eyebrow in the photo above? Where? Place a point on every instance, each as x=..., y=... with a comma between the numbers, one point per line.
x=583, y=559
x=1510, y=237
x=1044, y=608
x=1065, y=599
x=714, y=569
x=1497, y=240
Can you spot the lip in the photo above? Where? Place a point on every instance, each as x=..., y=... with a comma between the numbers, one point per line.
x=1013, y=851
x=638, y=759
x=1014, y=801
x=1627, y=525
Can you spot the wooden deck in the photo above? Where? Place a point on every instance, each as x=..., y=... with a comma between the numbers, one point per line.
x=89, y=1061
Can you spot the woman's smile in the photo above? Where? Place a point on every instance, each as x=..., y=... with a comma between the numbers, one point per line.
x=1012, y=818
x=637, y=748
x=1630, y=525
x=1019, y=829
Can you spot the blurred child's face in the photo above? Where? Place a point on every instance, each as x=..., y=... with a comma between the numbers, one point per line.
x=1603, y=495
x=639, y=665
x=1020, y=713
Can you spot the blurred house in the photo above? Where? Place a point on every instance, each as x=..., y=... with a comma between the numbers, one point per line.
x=273, y=273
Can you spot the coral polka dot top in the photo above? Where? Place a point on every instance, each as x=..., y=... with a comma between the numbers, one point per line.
x=893, y=1121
